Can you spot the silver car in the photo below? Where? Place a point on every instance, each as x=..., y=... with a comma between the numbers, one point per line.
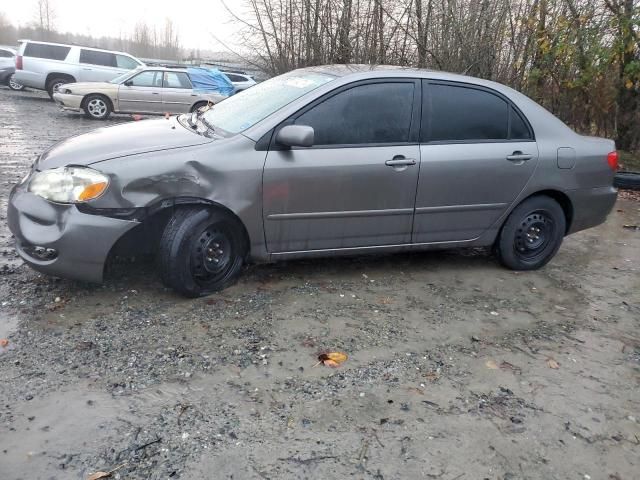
x=8, y=68
x=318, y=162
x=46, y=65
x=144, y=90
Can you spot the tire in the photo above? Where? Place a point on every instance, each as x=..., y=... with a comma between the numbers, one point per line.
x=55, y=82
x=532, y=234
x=627, y=180
x=197, y=106
x=96, y=107
x=201, y=251
x=13, y=85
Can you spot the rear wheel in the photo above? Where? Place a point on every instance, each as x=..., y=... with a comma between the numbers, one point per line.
x=96, y=107
x=201, y=251
x=532, y=234
x=13, y=85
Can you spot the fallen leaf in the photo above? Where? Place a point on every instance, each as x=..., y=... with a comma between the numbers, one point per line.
x=4, y=342
x=332, y=359
x=551, y=363
x=431, y=376
x=97, y=475
x=491, y=365
x=510, y=366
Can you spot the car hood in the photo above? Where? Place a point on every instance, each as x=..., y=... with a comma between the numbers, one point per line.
x=120, y=141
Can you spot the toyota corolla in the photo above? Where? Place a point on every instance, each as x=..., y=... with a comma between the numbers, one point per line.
x=318, y=162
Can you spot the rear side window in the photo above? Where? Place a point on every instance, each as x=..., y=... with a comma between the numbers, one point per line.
x=128, y=63
x=41, y=50
x=519, y=129
x=365, y=114
x=465, y=114
x=176, y=80
x=150, y=78
x=235, y=78
x=94, y=57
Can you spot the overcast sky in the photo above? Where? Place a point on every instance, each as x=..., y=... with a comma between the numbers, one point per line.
x=196, y=19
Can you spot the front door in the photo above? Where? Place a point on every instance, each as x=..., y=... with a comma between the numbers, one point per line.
x=356, y=186
x=142, y=93
x=478, y=153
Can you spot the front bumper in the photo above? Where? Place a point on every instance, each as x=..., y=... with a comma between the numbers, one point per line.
x=81, y=242
x=68, y=101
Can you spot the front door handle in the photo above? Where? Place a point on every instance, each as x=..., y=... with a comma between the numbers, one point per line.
x=400, y=161
x=518, y=156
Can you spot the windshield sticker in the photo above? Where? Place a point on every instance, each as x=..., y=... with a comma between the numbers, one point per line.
x=299, y=82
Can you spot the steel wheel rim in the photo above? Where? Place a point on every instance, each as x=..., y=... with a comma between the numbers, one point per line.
x=13, y=84
x=97, y=107
x=534, y=234
x=211, y=255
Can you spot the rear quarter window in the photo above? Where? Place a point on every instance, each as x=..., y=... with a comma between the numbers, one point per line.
x=50, y=52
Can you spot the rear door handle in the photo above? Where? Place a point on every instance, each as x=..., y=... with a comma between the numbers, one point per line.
x=518, y=156
x=400, y=161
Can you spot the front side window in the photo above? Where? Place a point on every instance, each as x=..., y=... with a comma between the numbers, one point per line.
x=128, y=63
x=365, y=114
x=94, y=57
x=459, y=113
x=176, y=80
x=42, y=50
x=150, y=78
x=245, y=109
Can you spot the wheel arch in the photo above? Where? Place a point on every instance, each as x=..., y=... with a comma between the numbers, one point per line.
x=106, y=97
x=153, y=219
x=563, y=200
x=53, y=75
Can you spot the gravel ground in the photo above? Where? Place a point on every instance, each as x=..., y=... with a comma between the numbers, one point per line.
x=457, y=369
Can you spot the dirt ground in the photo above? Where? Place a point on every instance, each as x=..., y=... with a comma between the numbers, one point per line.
x=457, y=369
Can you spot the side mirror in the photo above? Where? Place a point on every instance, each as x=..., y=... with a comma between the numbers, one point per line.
x=295, y=136
x=128, y=83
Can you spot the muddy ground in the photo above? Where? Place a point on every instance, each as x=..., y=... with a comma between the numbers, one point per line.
x=457, y=369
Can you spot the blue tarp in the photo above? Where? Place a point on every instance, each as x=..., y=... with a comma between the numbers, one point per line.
x=210, y=80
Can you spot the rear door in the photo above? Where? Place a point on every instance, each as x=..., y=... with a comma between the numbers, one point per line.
x=97, y=66
x=177, y=92
x=478, y=153
x=355, y=187
x=142, y=93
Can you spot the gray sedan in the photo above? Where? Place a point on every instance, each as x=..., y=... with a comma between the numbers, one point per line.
x=318, y=162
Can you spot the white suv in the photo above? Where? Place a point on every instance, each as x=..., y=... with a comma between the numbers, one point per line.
x=46, y=66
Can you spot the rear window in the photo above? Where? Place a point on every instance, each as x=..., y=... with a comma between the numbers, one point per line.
x=5, y=54
x=41, y=50
x=94, y=57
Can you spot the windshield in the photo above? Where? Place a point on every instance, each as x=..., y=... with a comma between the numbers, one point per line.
x=241, y=111
x=123, y=77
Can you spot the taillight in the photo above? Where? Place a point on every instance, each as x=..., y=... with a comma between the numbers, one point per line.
x=612, y=160
x=19, y=62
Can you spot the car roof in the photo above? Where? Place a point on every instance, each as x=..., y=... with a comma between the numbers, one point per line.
x=75, y=45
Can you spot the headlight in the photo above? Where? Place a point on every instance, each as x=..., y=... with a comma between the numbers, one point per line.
x=69, y=184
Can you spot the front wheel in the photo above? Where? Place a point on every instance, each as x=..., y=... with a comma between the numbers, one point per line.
x=532, y=234
x=201, y=251
x=13, y=85
x=97, y=107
